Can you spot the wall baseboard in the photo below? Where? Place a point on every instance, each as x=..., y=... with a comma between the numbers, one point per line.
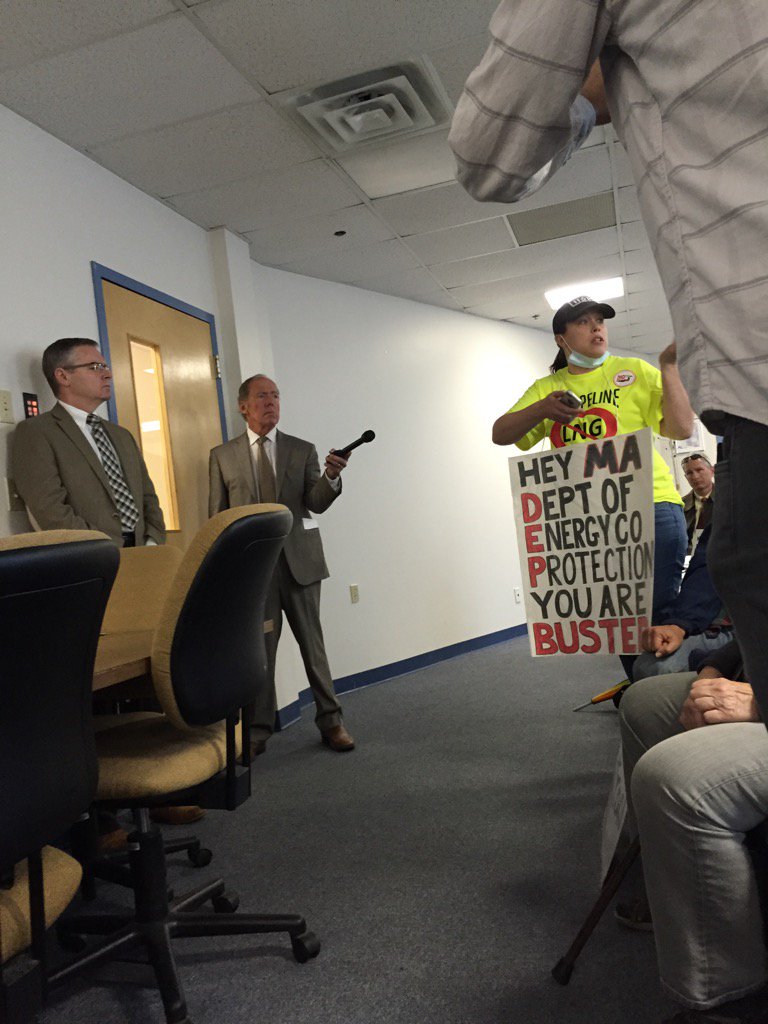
x=291, y=713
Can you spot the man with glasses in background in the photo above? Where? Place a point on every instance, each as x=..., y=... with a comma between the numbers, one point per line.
x=697, y=504
x=77, y=471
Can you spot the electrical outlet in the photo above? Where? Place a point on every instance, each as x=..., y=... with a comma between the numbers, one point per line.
x=6, y=407
x=354, y=593
x=518, y=595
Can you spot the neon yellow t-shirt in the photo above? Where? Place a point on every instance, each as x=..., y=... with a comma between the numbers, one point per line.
x=620, y=396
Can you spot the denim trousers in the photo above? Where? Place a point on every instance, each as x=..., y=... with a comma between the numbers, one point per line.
x=648, y=664
x=737, y=553
x=695, y=794
x=671, y=543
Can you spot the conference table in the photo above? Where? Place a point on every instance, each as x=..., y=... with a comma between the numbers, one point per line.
x=122, y=656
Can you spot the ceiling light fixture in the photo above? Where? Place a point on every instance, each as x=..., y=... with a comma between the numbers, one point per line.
x=610, y=288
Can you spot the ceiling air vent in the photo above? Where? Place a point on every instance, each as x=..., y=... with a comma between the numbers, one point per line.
x=375, y=106
x=571, y=218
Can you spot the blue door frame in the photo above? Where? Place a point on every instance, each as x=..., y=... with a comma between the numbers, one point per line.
x=100, y=273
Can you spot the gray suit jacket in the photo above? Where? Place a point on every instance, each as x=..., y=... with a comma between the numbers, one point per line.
x=299, y=485
x=63, y=483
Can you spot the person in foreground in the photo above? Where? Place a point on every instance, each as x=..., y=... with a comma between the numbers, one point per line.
x=266, y=465
x=696, y=760
x=685, y=85
x=619, y=395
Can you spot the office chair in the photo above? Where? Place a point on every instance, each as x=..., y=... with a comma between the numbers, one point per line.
x=54, y=586
x=208, y=662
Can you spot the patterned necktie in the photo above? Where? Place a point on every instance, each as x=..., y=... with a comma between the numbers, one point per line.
x=267, y=490
x=126, y=506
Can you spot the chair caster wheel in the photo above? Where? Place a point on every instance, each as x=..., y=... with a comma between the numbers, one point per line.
x=305, y=947
x=201, y=857
x=227, y=903
x=562, y=971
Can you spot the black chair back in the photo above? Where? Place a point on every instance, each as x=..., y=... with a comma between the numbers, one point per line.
x=52, y=600
x=218, y=658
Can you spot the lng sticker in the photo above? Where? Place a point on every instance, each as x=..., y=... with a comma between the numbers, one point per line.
x=585, y=529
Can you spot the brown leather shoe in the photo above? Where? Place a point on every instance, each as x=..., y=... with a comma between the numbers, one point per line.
x=338, y=739
x=112, y=842
x=176, y=815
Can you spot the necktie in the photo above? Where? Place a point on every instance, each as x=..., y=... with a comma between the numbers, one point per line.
x=126, y=506
x=267, y=490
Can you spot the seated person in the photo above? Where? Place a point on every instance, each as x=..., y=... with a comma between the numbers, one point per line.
x=701, y=787
x=697, y=503
x=695, y=621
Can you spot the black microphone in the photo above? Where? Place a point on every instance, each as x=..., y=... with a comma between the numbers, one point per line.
x=365, y=437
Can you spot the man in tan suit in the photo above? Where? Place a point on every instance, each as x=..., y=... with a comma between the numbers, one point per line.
x=264, y=464
x=76, y=471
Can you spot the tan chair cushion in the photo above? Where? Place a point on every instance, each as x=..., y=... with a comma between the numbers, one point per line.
x=141, y=588
x=143, y=756
x=42, y=538
x=61, y=877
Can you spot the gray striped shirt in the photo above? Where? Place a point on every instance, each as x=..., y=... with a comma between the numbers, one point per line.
x=687, y=85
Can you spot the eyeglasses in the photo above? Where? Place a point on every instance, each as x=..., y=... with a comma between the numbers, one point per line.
x=695, y=458
x=96, y=367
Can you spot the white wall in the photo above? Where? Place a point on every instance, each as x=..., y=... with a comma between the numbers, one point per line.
x=424, y=525
x=58, y=212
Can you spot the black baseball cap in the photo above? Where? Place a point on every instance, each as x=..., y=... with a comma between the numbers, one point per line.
x=572, y=310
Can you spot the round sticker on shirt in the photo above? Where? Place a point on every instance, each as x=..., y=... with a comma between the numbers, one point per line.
x=624, y=378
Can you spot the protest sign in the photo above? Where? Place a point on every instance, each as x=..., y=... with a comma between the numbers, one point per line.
x=585, y=529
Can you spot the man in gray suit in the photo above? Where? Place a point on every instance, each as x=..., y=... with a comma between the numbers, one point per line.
x=76, y=471
x=266, y=465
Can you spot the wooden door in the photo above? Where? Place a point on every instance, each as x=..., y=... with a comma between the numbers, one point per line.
x=164, y=357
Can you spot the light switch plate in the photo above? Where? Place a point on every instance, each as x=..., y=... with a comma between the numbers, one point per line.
x=6, y=407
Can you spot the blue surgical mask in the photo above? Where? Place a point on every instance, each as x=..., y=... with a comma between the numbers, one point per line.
x=587, y=362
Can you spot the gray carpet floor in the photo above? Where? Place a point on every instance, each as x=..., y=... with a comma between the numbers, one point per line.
x=446, y=864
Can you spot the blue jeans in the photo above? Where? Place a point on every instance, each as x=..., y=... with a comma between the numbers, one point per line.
x=668, y=561
x=648, y=664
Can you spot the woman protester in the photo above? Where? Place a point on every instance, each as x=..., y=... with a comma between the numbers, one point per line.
x=618, y=395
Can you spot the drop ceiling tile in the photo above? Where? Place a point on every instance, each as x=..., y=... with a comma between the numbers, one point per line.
x=638, y=260
x=653, y=300
x=634, y=237
x=226, y=146
x=443, y=206
x=453, y=63
x=285, y=45
x=643, y=280
x=629, y=208
x=530, y=288
x=32, y=29
x=289, y=241
x=587, y=173
x=541, y=256
x=296, y=193
x=414, y=283
x=402, y=166
x=504, y=308
x=159, y=74
x=353, y=264
x=485, y=236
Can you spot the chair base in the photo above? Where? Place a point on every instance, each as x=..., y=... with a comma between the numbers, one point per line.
x=157, y=921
